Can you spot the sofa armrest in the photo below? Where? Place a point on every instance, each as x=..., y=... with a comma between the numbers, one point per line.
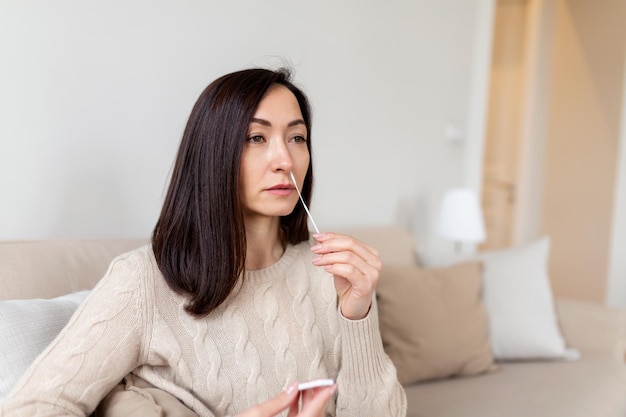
x=593, y=328
x=54, y=267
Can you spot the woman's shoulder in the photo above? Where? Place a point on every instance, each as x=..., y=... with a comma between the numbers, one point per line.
x=136, y=259
x=131, y=268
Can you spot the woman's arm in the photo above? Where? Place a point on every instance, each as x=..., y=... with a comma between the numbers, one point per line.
x=102, y=343
x=368, y=384
x=367, y=381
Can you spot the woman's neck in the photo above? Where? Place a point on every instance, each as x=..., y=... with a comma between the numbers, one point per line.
x=264, y=245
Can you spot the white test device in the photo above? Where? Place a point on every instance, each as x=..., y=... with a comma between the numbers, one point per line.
x=316, y=383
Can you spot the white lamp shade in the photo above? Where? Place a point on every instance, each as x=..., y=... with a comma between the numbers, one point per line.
x=461, y=218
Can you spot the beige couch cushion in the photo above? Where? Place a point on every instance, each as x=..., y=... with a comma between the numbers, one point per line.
x=594, y=386
x=433, y=322
x=51, y=268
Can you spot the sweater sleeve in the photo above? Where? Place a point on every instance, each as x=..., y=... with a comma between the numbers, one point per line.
x=102, y=342
x=367, y=381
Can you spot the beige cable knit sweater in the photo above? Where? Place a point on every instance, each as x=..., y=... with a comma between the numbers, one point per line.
x=281, y=324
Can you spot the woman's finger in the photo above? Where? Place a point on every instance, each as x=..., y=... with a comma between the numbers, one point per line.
x=323, y=237
x=314, y=401
x=275, y=405
x=355, y=267
x=294, y=408
x=331, y=242
x=359, y=274
x=354, y=264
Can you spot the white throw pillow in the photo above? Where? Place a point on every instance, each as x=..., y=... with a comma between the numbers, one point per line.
x=26, y=328
x=519, y=302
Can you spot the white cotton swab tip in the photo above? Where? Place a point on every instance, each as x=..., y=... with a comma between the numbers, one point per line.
x=293, y=179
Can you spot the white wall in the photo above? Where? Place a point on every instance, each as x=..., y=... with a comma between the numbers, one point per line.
x=94, y=97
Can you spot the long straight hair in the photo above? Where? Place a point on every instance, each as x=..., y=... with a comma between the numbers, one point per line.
x=199, y=240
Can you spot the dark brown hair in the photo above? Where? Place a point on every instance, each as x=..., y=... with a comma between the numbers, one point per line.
x=199, y=240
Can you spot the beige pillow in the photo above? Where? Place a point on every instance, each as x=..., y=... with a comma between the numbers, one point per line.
x=433, y=322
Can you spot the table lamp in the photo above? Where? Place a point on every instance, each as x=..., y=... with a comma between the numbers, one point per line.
x=461, y=218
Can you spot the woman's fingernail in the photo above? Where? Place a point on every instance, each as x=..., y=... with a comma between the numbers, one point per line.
x=316, y=260
x=291, y=388
x=316, y=247
x=318, y=235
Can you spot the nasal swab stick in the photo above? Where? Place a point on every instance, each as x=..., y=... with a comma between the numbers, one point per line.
x=293, y=179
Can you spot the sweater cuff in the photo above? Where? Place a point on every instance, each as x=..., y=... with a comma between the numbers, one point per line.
x=363, y=357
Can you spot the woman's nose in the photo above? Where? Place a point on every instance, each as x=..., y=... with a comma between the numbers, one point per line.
x=280, y=157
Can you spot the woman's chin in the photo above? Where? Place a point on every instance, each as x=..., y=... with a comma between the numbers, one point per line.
x=278, y=212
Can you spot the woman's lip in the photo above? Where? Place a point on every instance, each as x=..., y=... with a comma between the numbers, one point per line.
x=281, y=187
x=281, y=190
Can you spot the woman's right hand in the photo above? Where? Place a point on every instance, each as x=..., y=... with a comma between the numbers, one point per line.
x=313, y=403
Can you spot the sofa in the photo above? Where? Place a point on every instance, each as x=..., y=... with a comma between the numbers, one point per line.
x=37, y=276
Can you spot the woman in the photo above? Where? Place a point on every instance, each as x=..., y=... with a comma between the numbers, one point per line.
x=232, y=301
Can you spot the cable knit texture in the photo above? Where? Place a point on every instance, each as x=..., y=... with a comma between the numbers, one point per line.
x=280, y=324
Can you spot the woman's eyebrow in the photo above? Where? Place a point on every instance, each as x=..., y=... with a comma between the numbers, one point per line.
x=267, y=122
x=296, y=122
x=260, y=121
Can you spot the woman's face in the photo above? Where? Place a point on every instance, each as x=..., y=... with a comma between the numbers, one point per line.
x=275, y=146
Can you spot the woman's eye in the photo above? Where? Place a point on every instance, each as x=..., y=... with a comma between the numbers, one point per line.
x=299, y=139
x=256, y=139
